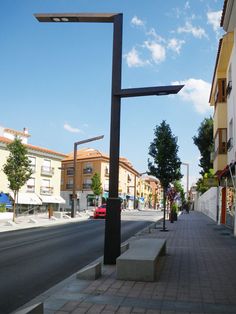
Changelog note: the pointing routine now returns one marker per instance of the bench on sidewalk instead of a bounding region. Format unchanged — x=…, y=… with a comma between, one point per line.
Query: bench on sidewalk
x=33, y=309
x=139, y=262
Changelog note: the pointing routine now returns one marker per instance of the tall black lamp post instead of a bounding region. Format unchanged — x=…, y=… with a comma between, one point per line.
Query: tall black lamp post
x=112, y=228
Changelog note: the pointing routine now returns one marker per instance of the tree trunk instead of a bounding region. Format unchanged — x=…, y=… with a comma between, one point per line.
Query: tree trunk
x=164, y=212
x=14, y=207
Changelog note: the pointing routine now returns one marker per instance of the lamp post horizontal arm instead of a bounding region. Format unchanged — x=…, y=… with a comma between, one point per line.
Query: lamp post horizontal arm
x=89, y=140
x=149, y=91
x=76, y=17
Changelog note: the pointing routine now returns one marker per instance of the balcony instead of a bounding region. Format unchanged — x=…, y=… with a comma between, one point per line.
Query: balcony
x=33, y=168
x=88, y=170
x=230, y=144
x=69, y=186
x=47, y=171
x=87, y=186
x=229, y=88
x=46, y=190
x=70, y=171
x=31, y=188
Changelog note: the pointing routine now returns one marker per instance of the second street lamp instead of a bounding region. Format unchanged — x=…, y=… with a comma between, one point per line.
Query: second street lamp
x=74, y=194
x=112, y=226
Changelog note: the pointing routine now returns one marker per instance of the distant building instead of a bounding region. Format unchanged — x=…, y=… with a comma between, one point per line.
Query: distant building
x=42, y=190
x=91, y=161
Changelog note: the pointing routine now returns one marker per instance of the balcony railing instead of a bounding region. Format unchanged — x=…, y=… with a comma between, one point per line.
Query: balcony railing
x=70, y=171
x=69, y=186
x=230, y=144
x=87, y=186
x=87, y=170
x=47, y=171
x=229, y=88
x=46, y=190
x=33, y=168
x=30, y=188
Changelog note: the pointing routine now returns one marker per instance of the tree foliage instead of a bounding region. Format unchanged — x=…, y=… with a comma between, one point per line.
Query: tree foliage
x=166, y=163
x=96, y=184
x=201, y=187
x=17, y=167
x=164, y=151
x=204, y=141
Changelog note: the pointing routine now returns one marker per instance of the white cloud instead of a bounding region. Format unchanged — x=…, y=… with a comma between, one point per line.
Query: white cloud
x=133, y=59
x=197, y=32
x=196, y=91
x=158, y=38
x=187, y=5
x=175, y=45
x=69, y=128
x=136, y=21
x=158, y=51
x=213, y=18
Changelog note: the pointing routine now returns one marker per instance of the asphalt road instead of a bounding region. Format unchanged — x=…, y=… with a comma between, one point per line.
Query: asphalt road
x=33, y=260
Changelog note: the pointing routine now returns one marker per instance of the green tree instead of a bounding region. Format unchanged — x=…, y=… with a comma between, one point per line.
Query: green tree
x=17, y=168
x=96, y=184
x=204, y=141
x=201, y=186
x=179, y=188
x=166, y=163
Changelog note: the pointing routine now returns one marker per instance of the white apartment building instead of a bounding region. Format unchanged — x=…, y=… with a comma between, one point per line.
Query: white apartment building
x=42, y=190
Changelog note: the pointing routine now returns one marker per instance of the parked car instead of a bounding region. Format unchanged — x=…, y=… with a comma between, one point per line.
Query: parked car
x=100, y=212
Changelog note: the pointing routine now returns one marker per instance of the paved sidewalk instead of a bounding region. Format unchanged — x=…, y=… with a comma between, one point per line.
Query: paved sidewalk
x=196, y=276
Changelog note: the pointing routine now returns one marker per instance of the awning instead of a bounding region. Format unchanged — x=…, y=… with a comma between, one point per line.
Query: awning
x=52, y=199
x=4, y=199
x=27, y=198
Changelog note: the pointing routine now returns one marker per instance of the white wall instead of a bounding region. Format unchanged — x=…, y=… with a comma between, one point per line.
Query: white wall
x=207, y=203
x=231, y=103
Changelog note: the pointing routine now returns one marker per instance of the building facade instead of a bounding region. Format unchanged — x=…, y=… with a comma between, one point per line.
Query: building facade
x=91, y=161
x=223, y=97
x=42, y=190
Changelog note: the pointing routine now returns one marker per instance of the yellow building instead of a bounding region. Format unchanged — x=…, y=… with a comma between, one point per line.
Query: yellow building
x=218, y=99
x=150, y=192
x=91, y=161
x=43, y=188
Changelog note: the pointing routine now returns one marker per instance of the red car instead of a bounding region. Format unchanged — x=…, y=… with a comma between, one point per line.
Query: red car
x=100, y=212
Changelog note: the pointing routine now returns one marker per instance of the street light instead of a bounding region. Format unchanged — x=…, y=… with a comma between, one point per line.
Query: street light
x=187, y=187
x=112, y=226
x=74, y=194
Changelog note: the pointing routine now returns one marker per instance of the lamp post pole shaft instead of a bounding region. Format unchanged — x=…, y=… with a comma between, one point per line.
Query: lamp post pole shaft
x=112, y=227
x=74, y=194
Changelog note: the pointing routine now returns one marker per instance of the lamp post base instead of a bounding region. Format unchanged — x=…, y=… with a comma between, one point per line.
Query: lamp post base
x=112, y=231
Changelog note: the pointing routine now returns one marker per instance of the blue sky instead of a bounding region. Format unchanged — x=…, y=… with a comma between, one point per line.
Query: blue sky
x=55, y=79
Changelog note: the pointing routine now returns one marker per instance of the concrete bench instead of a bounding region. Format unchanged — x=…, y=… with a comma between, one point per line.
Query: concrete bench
x=139, y=262
x=33, y=309
x=90, y=272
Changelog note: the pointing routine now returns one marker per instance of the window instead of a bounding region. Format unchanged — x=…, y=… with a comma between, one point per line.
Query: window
x=46, y=189
x=229, y=80
x=69, y=184
x=31, y=185
x=46, y=168
x=220, y=92
x=230, y=140
x=32, y=163
x=88, y=168
x=221, y=141
x=87, y=184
